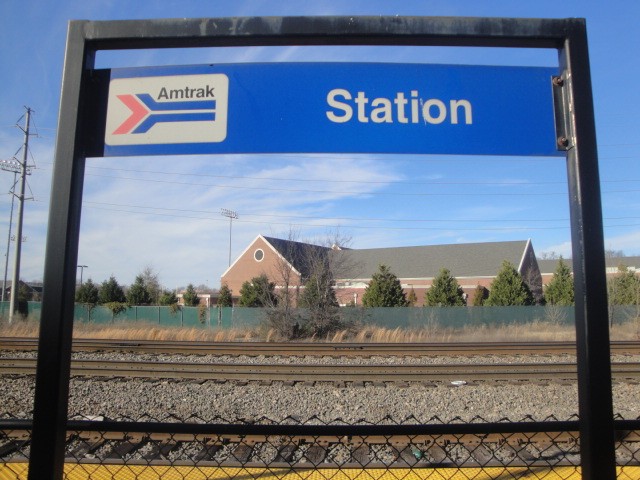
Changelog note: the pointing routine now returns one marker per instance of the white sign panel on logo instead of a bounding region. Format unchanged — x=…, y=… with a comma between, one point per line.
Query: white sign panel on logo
x=147, y=110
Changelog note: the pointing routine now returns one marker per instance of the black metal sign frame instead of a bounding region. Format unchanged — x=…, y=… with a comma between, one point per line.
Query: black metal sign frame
x=82, y=111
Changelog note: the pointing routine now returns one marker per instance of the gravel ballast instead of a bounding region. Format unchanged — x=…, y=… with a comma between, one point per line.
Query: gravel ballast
x=135, y=399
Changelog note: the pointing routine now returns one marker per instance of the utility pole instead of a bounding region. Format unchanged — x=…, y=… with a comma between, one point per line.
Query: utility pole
x=10, y=166
x=18, y=251
x=230, y=214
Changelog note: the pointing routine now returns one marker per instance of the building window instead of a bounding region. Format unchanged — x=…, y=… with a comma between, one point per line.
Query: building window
x=258, y=255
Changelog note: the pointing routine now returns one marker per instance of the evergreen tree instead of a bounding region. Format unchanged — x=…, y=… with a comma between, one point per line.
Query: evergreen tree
x=138, y=293
x=445, y=291
x=412, y=298
x=87, y=293
x=25, y=293
x=508, y=288
x=258, y=292
x=111, y=291
x=480, y=295
x=624, y=287
x=224, y=296
x=190, y=296
x=384, y=290
x=559, y=291
x=168, y=298
x=319, y=297
x=318, y=293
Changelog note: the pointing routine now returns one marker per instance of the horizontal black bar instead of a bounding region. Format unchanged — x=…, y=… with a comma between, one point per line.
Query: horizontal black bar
x=629, y=425
x=318, y=430
x=328, y=30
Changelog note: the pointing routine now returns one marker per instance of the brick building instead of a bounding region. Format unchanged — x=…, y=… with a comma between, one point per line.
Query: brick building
x=288, y=262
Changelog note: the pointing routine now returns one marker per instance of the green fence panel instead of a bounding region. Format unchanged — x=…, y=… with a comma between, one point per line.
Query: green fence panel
x=146, y=314
x=245, y=317
x=171, y=317
x=191, y=318
x=391, y=318
x=82, y=313
x=411, y=317
x=619, y=314
x=102, y=315
x=459, y=317
x=236, y=317
x=33, y=310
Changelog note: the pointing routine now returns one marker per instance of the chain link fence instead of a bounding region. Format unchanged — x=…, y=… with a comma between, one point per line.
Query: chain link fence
x=195, y=448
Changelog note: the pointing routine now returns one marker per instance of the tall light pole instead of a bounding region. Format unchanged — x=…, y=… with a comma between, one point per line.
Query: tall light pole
x=82, y=267
x=230, y=214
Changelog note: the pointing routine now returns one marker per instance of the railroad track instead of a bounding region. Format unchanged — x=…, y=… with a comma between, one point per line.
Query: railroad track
x=321, y=349
x=277, y=452
x=629, y=371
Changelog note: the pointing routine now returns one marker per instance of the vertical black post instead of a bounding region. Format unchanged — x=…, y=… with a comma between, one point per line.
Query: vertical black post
x=46, y=460
x=597, y=443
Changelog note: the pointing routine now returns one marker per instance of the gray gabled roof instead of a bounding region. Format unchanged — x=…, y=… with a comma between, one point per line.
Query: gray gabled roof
x=462, y=260
x=297, y=253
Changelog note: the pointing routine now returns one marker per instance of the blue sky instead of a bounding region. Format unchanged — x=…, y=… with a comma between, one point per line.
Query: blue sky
x=164, y=212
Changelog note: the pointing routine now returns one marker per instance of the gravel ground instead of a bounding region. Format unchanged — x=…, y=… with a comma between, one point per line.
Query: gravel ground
x=209, y=401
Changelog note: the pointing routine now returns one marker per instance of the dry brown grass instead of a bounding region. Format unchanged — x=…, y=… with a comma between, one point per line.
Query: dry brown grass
x=138, y=331
x=538, y=331
x=532, y=332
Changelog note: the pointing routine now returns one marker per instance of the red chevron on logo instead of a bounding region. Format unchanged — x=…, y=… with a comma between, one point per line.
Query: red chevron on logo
x=138, y=112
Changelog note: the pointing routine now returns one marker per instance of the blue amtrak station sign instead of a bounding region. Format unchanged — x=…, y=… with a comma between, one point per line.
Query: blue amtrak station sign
x=331, y=107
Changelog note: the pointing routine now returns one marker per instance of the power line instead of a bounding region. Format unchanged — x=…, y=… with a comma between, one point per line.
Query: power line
x=312, y=217
x=342, y=192
x=334, y=192
x=355, y=227
x=327, y=180
x=123, y=207
x=333, y=180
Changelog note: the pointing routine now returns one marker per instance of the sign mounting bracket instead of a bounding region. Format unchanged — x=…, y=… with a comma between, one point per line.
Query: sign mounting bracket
x=563, y=111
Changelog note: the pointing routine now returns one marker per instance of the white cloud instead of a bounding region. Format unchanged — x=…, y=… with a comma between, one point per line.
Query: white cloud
x=629, y=243
x=562, y=249
x=166, y=211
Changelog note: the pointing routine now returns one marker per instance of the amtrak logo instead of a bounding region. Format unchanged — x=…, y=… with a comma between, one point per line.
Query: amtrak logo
x=167, y=110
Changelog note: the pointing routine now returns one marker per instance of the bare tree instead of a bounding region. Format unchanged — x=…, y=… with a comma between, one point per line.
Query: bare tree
x=281, y=313
x=552, y=255
x=610, y=253
x=309, y=267
x=323, y=266
x=150, y=279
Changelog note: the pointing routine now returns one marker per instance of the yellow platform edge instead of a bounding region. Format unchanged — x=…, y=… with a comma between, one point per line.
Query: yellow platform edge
x=18, y=471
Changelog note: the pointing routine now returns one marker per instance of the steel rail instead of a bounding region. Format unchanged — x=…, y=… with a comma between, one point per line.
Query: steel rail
x=248, y=450
x=320, y=349
x=145, y=444
x=318, y=373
